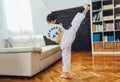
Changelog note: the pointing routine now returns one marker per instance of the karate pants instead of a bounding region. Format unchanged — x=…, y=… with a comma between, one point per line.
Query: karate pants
x=67, y=40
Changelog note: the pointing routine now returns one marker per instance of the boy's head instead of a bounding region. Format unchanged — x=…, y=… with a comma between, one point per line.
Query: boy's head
x=51, y=19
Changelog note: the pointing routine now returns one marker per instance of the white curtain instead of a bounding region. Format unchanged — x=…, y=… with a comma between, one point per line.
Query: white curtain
x=18, y=17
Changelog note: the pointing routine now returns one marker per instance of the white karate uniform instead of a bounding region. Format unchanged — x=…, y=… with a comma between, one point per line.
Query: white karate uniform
x=67, y=38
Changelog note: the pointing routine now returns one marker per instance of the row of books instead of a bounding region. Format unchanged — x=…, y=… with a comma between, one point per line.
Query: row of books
x=108, y=38
x=97, y=28
x=97, y=16
x=108, y=26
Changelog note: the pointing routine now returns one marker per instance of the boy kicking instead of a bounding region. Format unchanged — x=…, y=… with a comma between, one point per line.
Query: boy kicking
x=64, y=37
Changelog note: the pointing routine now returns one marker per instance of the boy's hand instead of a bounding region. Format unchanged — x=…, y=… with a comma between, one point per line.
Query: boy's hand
x=86, y=7
x=60, y=24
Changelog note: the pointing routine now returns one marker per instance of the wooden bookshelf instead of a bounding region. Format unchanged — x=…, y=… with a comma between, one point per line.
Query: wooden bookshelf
x=105, y=26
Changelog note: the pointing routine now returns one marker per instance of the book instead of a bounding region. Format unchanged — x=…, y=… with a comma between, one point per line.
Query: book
x=118, y=5
x=108, y=26
x=108, y=17
x=117, y=16
x=97, y=28
x=97, y=16
x=108, y=6
x=105, y=38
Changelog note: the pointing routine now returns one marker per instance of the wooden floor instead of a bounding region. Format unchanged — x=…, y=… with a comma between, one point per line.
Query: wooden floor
x=84, y=68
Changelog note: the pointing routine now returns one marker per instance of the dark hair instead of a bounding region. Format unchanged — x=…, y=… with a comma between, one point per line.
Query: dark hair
x=51, y=17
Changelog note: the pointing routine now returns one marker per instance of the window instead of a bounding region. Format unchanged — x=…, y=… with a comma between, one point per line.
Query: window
x=18, y=17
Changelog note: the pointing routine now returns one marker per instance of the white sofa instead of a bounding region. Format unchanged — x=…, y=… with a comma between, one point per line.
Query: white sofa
x=27, y=55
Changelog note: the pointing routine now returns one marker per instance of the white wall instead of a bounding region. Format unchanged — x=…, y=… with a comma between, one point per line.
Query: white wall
x=55, y=5
x=3, y=29
x=39, y=13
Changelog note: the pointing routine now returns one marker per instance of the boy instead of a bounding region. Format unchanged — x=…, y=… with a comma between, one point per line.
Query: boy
x=65, y=37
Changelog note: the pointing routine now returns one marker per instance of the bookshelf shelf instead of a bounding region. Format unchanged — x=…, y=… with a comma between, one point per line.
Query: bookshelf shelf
x=108, y=9
x=105, y=24
x=108, y=20
x=108, y=41
x=99, y=42
x=117, y=30
x=117, y=19
x=107, y=31
x=97, y=32
x=117, y=41
x=95, y=1
x=97, y=10
x=96, y=21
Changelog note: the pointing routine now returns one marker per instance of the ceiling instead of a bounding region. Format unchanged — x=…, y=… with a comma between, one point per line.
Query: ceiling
x=55, y=5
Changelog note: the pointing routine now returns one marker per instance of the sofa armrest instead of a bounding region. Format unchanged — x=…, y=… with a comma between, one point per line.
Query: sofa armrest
x=20, y=49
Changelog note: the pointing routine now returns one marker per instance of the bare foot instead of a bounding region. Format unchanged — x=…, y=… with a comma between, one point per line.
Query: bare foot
x=64, y=76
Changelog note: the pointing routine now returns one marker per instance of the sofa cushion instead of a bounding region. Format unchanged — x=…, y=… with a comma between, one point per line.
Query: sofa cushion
x=38, y=40
x=49, y=42
x=20, y=41
x=49, y=50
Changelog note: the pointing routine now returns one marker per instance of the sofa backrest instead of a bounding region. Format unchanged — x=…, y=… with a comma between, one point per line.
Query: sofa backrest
x=26, y=41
